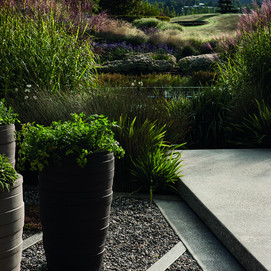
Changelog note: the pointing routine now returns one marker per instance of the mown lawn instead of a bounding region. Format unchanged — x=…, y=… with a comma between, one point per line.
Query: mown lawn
x=218, y=24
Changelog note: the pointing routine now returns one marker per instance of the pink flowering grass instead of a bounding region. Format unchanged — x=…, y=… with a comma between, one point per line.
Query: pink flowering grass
x=257, y=17
x=75, y=14
x=250, y=21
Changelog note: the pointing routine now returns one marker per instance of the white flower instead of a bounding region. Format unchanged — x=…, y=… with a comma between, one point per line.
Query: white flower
x=35, y=97
x=16, y=89
x=27, y=90
x=25, y=97
x=132, y=84
x=28, y=86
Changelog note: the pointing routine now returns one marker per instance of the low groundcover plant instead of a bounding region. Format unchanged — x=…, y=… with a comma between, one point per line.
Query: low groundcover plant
x=8, y=174
x=80, y=136
x=7, y=115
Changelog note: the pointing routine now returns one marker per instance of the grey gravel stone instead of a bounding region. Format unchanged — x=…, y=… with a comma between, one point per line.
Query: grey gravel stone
x=138, y=236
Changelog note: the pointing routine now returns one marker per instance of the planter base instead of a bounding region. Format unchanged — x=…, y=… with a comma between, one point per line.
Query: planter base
x=11, y=227
x=75, y=207
x=7, y=142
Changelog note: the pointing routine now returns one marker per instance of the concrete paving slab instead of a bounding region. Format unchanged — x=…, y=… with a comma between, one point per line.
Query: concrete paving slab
x=230, y=191
x=32, y=240
x=169, y=258
x=206, y=249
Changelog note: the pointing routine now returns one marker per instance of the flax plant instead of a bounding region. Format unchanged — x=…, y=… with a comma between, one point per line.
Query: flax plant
x=151, y=162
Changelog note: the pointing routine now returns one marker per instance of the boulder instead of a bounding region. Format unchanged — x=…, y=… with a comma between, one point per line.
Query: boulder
x=191, y=64
x=141, y=63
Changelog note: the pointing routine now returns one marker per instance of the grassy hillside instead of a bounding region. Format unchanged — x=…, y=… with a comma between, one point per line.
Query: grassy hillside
x=216, y=25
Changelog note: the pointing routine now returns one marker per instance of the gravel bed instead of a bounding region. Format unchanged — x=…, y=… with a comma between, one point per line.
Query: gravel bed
x=138, y=236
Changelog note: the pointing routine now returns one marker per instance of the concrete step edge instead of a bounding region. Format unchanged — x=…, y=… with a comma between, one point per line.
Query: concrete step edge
x=231, y=242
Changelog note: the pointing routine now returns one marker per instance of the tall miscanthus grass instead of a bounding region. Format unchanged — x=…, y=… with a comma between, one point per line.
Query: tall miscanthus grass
x=39, y=51
x=75, y=7
x=44, y=107
x=246, y=70
x=249, y=21
x=74, y=14
x=246, y=74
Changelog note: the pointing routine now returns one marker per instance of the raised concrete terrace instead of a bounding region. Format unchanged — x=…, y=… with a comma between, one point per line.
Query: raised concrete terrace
x=230, y=190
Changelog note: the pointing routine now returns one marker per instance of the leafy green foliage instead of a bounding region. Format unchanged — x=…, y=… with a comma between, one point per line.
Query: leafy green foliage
x=121, y=7
x=8, y=174
x=7, y=115
x=81, y=136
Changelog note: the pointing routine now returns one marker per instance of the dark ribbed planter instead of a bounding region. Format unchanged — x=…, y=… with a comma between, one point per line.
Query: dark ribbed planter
x=11, y=227
x=7, y=142
x=75, y=207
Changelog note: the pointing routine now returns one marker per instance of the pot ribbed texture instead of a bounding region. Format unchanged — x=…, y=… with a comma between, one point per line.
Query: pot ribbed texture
x=11, y=227
x=7, y=142
x=75, y=207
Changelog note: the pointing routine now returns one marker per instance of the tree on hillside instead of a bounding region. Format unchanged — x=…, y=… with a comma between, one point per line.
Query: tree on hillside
x=226, y=6
x=121, y=7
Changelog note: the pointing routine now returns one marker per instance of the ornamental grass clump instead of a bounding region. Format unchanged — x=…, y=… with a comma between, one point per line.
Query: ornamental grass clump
x=41, y=52
x=256, y=18
x=8, y=174
x=155, y=23
x=254, y=130
x=118, y=30
x=152, y=163
x=246, y=71
x=146, y=22
x=80, y=137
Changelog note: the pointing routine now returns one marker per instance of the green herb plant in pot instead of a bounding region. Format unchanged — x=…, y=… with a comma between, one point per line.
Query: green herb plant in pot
x=76, y=163
x=11, y=216
x=7, y=131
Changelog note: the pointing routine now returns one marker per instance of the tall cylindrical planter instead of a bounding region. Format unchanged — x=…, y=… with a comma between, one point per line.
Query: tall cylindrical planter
x=11, y=227
x=75, y=207
x=7, y=142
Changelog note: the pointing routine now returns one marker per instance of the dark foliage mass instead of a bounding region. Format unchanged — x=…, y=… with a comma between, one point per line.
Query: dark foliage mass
x=120, y=7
